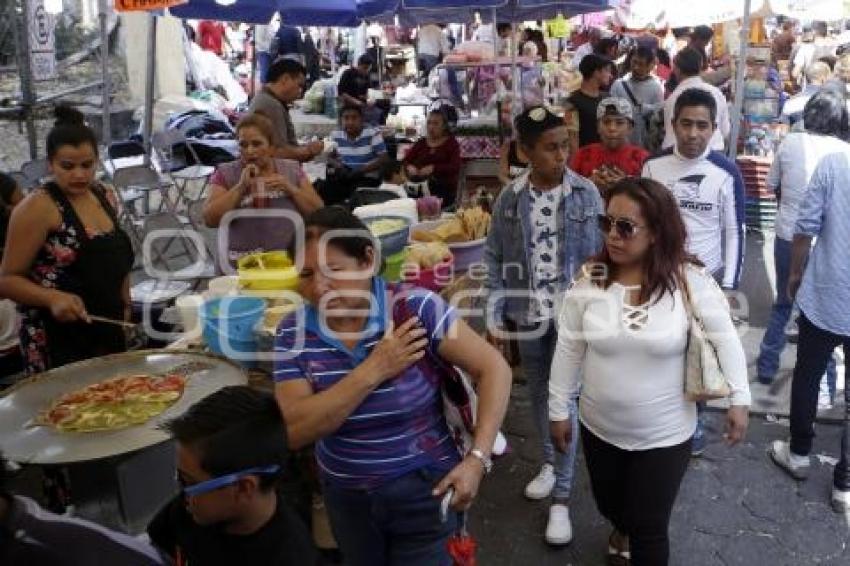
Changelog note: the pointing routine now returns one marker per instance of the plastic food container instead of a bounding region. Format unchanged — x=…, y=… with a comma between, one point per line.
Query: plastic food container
x=223, y=286
x=467, y=253
x=393, y=242
x=234, y=317
x=267, y=271
x=393, y=266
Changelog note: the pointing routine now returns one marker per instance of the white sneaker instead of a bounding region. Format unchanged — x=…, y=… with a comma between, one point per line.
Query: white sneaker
x=543, y=484
x=824, y=401
x=841, y=500
x=559, y=530
x=796, y=466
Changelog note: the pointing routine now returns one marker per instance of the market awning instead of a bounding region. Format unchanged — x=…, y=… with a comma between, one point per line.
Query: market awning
x=413, y=12
x=638, y=14
x=245, y=11
x=342, y=13
x=338, y=13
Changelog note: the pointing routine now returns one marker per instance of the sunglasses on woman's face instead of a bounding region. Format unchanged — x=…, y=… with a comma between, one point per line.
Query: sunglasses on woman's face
x=626, y=228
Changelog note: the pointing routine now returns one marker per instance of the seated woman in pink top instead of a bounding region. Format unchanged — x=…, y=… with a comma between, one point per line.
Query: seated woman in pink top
x=257, y=181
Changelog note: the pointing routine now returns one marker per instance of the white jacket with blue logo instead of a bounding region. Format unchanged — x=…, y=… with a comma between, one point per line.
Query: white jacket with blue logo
x=711, y=196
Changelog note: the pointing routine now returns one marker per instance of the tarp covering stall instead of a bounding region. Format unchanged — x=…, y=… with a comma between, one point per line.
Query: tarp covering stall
x=638, y=14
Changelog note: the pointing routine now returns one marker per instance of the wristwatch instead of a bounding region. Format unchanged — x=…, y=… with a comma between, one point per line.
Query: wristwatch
x=486, y=462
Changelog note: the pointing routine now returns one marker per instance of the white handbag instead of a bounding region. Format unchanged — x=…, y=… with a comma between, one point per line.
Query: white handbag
x=704, y=379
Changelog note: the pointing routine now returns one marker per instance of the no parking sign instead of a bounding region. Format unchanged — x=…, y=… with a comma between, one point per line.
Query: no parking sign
x=42, y=41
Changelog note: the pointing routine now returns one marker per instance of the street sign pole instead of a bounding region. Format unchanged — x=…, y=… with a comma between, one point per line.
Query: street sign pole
x=22, y=37
x=150, y=78
x=103, y=16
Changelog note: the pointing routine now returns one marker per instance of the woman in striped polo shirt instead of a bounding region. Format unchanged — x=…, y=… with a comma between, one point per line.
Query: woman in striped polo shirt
x=366, y=390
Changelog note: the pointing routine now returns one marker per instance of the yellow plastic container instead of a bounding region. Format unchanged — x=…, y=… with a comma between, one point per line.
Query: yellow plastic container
x=267, y=271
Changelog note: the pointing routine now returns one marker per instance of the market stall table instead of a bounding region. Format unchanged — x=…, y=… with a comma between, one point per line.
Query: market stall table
x=312, y=125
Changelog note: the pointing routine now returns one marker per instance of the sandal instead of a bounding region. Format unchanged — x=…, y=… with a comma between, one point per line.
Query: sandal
x=616, y=556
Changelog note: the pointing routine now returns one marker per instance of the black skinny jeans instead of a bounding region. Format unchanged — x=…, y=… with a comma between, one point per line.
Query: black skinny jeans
x=635, y=491
x=814, y=349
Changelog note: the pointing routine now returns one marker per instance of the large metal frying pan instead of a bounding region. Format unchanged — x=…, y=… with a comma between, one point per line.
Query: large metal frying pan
x=25, y=443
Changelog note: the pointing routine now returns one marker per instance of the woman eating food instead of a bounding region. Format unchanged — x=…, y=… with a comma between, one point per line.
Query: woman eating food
x=257, y=181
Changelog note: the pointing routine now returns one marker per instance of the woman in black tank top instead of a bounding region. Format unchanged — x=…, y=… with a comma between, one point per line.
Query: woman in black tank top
x=68, y=259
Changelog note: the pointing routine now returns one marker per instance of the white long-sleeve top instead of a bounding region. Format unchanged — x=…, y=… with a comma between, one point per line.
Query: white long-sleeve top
x=633, y=361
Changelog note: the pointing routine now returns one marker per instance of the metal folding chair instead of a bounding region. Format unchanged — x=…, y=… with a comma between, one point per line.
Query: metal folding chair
x=209, y=235
x=22, y=181
x=176, y=157
x=177, y=251
x=125, y=154
x=146, y=179
x=36, y=172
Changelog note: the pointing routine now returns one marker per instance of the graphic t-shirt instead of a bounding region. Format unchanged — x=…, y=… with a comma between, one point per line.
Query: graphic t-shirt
x=544, y=250
x=710, y=194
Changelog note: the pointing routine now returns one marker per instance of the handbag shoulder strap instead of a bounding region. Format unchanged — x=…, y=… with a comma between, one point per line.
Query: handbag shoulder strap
x=629, y=92
x=688, y=296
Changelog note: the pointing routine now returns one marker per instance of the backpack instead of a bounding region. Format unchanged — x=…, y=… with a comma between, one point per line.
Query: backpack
x=655, y=131
x=460, y=401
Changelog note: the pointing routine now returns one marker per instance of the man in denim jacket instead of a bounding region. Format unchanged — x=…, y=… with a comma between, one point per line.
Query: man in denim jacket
x=544, y=227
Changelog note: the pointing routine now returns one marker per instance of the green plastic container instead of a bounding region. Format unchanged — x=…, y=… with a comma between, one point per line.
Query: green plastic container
x=393, y=265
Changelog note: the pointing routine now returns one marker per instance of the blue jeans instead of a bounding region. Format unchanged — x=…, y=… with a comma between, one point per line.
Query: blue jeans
x=396, y=524
x=774, y=339
x=427, y=62
x=536, y=360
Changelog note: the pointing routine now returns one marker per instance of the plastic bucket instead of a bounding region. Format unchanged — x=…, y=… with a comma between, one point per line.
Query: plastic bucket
x=233, y=317
x=393, y=265
x=467, y=253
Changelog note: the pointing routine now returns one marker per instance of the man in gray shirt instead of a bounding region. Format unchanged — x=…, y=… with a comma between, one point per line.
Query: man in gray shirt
x=642, y=89
x=284, y=85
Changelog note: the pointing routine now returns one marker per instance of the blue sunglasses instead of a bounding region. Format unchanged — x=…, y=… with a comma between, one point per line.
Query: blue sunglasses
x=222, y=481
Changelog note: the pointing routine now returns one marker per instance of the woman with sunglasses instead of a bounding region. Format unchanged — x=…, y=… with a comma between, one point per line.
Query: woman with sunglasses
x=624, y=328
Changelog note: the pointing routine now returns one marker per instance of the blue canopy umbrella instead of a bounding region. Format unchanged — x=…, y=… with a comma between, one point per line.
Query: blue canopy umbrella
x=338, y=13
x=342, y=13
x=245, y=11
x=413, y=12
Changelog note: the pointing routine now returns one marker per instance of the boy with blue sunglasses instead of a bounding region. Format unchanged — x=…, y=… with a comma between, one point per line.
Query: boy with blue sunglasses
x=231, y=450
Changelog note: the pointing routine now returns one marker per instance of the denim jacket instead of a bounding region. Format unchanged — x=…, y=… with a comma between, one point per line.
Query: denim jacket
x=507, y=250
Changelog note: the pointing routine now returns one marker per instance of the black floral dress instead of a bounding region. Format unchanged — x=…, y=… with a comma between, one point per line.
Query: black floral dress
x=92, y=266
